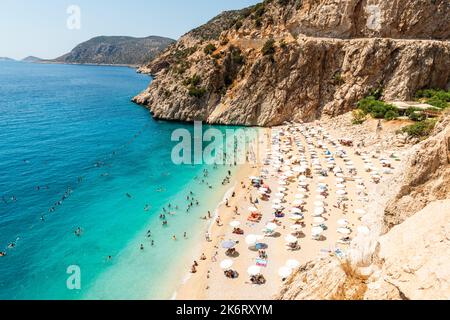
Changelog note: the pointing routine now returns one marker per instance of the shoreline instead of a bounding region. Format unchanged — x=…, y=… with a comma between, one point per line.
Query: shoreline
x=194, y=286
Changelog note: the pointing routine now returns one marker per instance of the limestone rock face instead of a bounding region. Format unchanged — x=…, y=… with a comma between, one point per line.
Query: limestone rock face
x=412, y=262
x=326, y=56
x=426, y=179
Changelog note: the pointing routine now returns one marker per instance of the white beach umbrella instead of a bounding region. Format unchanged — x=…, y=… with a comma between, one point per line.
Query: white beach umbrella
x=277, y=207
x=253, y=209
x=320, y=197
x=341, y=192
x=344, y=231
x=340, y=186
x=318, y=220
x=319, y=204
x=250, y=239
x=254, y=270
x=300, y=196
x=271, y=226
x=284, y=272
x=363, y=230
x=296, y=210
x=280, y=195
x=360, y=212
x=282, y=189
x=290, y=239
x=319, y=211
x=342, y=222
x=296, y=217
x=226, y=264
x=292, y=264
x=303, y=184
x=316, y=231
x=340, y=180
x=235, y=224
x=298, y=202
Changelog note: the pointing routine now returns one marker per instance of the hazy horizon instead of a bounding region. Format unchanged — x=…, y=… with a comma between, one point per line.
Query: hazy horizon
x=32, y=28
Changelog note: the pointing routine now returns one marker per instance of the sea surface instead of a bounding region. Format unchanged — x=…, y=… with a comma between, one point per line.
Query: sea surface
x=76, y=154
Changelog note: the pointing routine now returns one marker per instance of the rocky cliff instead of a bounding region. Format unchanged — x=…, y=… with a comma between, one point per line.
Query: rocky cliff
x=297, y=60
x=116, y=50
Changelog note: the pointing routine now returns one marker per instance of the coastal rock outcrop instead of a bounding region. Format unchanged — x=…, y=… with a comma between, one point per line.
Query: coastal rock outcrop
x=412, y=262
x=426, y=179
x=299, y=60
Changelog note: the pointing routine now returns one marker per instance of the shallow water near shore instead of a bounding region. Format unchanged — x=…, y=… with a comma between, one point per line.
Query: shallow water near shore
x=66, y=127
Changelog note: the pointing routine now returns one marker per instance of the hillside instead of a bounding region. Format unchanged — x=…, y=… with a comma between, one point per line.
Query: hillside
x=32, y=59
x=299, y=60
x=116, y=50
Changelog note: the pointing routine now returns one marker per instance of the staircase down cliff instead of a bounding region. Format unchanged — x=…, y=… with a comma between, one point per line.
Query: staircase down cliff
x=299, y=60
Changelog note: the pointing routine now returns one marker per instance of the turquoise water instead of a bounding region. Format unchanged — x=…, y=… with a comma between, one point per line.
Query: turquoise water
x=72, y=130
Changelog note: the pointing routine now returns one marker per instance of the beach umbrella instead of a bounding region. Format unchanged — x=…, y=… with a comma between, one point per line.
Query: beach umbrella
x=341, y=192
x=253, y=209
x=300, y=196
x=282, y=183
x=250, y=239
x=320, y=197
x=319, y=204
x=318, y=220
x=360, y=212
x=263, y=190
x=342, y=222
x=340, y=180
x=292, y=264
x=226, y=264
x=319, y=211
x=290, y=239
x=316, y=231
x=340, y=186
x=228, y=244
x=344, y=231
x=298, y=202
x=277, y=207
x=360, y=187
x=276, y=201
x=296, y=210
x=322, y=178
x=296, y=217
x=280, y=195
x=271, y=226
x=254, y=270
x=282, y=189
x=302, y=178
x=284, y=272
x=363, y=230
x=235, y=224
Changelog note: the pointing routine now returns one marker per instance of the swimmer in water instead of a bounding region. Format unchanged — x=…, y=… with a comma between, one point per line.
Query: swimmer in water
x=174, y=238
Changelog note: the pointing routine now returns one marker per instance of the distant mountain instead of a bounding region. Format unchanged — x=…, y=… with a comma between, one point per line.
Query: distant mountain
x=116, y=50
x=32, y=59
x=6, y=59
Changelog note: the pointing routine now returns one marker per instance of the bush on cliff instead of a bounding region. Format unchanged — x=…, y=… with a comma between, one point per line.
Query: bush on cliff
x=209, y=49
x=269, y=47
x=420, y=129
x=435, y=97
x=378, y=109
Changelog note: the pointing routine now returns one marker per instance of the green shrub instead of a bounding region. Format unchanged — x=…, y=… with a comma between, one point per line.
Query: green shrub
x=391, y=115
x=194, y=81
x=376, y=108
x=437, y=98
x=196, y=92
x=420, y=129
x=269, y=47
x=209, y=49
x=238, y=25
x=236, y=55
x=413, y=115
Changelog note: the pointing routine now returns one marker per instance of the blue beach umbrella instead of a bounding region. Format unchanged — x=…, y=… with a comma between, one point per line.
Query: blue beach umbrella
x=228, y=244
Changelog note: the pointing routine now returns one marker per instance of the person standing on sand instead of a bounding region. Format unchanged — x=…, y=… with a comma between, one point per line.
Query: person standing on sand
x=207, y=237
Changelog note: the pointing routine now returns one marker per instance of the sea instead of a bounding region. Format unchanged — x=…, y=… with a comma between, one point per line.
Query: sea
x=85, y=176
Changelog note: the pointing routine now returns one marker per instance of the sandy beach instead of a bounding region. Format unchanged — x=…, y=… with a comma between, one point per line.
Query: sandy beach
x=346, y=201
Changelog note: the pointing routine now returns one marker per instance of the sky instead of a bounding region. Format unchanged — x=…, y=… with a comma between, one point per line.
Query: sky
x=50, y=28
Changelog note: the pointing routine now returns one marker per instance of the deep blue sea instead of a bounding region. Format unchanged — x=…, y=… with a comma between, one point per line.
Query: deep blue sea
x=76, y=153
